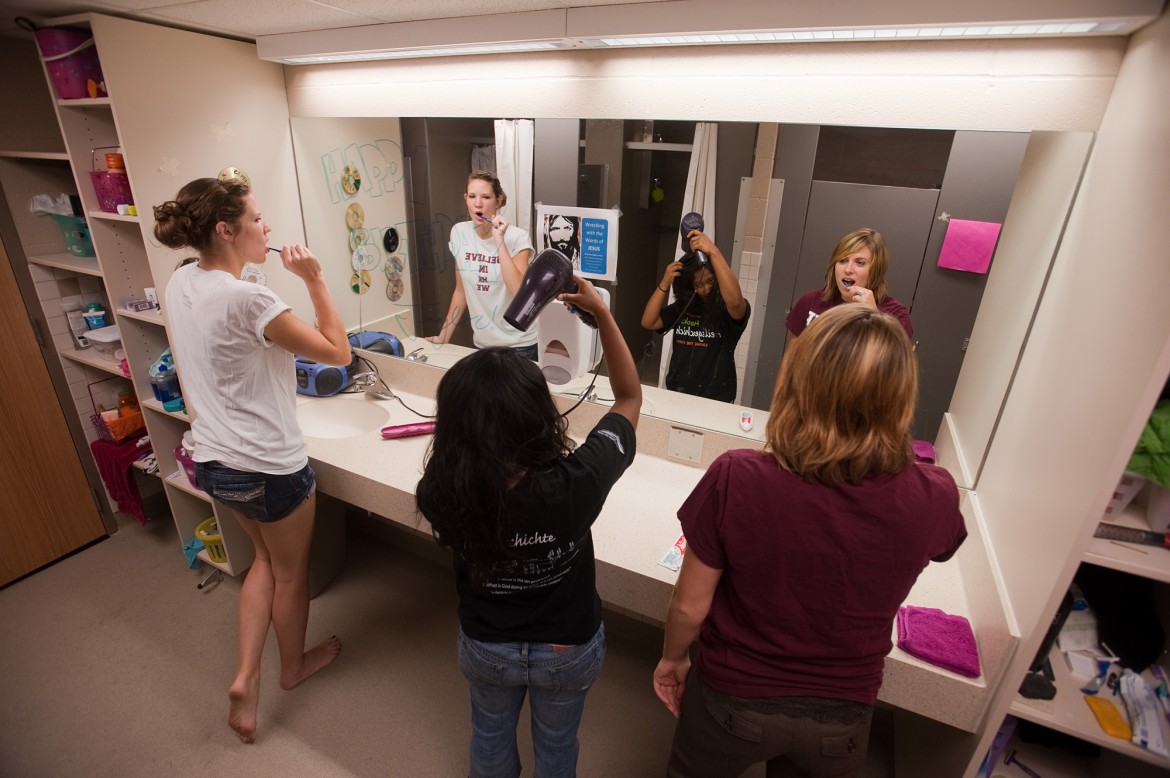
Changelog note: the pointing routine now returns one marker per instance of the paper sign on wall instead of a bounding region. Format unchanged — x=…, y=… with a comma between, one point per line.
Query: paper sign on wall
x=969, y=245
x=587, y=236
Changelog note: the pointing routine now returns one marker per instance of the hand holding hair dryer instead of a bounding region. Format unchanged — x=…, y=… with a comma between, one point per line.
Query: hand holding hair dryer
x=692, y=221
x=549, y=275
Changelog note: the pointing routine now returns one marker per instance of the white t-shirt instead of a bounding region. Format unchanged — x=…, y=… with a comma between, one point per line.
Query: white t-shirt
x=240, y=385
x=478, y=263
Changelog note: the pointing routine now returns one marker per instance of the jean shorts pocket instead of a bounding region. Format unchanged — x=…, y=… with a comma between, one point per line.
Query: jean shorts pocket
x=733, y=722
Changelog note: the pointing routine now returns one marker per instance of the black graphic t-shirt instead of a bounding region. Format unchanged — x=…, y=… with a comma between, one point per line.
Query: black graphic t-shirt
x=702, y=359
x=545, y=592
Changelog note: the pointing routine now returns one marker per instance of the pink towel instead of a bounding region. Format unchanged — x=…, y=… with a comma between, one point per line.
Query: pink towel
x=939, y=638
x=114, y=461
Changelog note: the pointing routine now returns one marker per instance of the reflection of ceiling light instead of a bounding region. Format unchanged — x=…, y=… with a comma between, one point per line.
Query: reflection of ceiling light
x=702, y=23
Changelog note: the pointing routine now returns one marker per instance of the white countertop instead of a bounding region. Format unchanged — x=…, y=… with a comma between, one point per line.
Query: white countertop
x=638, y=525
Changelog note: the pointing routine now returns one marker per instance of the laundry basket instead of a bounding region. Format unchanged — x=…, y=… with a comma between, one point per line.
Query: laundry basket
x=208, y=533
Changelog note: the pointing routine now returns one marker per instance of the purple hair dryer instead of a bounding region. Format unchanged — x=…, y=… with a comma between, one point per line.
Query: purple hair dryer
x=692, y=260
x=550, y=274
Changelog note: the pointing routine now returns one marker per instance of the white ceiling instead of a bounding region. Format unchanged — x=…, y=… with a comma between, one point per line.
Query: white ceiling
x=247, y=19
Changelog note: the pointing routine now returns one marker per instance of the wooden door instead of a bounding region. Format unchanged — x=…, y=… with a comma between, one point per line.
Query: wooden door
x=47, y=507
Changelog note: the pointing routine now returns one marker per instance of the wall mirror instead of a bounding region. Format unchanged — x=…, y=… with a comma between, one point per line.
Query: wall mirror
x=409, y=174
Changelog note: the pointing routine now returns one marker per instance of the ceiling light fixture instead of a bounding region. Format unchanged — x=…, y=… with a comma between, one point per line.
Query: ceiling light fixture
x=702, y=23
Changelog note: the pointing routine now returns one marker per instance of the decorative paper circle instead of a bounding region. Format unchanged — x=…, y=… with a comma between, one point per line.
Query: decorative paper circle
x=358, y=237
x=390, y=240
x=364, y=258
x=355, y=216
x=393, y=287
x=254, y=273
x=235, y=174
x=393, y=264
x=359, y=282
x=351, y=179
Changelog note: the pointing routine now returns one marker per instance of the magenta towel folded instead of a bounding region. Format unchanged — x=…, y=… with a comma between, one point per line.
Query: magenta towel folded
x=939, y=638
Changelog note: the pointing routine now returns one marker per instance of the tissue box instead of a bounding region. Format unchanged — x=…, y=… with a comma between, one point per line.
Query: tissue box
x=106, y=341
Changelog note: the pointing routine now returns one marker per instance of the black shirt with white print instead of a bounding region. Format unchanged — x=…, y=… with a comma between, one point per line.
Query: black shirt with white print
x=545, y=592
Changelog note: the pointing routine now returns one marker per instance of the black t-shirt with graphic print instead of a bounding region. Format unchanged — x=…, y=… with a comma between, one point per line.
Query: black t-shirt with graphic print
x=702, y=359
x=546, y=593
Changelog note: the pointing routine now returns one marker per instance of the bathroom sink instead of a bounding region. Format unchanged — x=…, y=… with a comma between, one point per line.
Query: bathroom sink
x=333, y=418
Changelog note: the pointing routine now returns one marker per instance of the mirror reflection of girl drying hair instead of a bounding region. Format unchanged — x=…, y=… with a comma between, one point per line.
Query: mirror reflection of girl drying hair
x=707, y=319
x=234, y=343
x=505, y=490
x=491, y=256
x=798, y=558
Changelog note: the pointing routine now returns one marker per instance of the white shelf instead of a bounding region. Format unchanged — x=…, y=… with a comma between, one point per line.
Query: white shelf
x=640, y=146
x=179, y=481
x=1069, y=713
x=113, y=217
x=56, y=156
x=85, y=265
x=205, y=558
x=85, y=102
x=156, y=406
x=150, y=317
x=91, y=358
x=1147, y=561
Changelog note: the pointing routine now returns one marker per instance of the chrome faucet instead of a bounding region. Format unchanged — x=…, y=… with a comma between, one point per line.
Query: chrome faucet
x=588, y=393
x=416, y=355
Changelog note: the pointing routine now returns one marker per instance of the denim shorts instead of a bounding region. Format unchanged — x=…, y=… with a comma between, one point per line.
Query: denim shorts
x=257, y=496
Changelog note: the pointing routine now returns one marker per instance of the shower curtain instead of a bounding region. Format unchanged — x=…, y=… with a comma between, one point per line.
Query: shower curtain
x=514, y=138
x=699, y=196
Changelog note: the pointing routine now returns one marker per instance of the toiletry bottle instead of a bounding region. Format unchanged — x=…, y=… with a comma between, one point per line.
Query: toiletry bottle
x=76, y=322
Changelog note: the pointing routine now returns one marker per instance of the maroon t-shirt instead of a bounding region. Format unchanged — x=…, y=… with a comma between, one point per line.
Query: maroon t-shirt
x=813, y=575
x=810, y=305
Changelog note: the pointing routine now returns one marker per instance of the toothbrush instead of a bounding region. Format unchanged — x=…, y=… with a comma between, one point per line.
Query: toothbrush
x=274, y=250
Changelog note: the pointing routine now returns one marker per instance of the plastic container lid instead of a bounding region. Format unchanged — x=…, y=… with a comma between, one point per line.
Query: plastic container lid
x=105, y=334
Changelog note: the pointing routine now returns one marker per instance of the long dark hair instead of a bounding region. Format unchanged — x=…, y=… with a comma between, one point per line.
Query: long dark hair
x=495, y=421
x=708, y=311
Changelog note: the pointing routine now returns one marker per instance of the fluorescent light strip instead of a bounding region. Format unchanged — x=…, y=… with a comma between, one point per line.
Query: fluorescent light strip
x=449, y=51
x=877, y=33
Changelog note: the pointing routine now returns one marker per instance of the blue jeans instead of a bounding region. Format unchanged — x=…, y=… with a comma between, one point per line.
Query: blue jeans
x=556, y=678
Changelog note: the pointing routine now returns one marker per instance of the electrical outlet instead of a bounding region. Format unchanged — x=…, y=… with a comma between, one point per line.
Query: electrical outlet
x=685, y=444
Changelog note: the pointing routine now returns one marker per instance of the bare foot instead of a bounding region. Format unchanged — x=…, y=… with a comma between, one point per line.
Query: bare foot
x=243, y=697
x=316, y=658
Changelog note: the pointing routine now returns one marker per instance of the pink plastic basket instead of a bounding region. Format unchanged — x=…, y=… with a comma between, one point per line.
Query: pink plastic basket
x=72, y=62
x=112, y=189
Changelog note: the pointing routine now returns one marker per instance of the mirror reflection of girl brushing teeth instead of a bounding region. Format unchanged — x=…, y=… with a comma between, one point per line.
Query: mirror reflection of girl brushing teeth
x=491, y=256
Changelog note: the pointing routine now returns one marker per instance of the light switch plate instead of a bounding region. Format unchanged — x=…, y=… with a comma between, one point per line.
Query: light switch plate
x=685, y=444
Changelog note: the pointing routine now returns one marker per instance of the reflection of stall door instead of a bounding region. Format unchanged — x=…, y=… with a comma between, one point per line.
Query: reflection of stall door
x=904, y=217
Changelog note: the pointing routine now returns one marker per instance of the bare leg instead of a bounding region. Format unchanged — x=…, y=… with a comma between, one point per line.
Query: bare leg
x=255, y=615
x=288, y=545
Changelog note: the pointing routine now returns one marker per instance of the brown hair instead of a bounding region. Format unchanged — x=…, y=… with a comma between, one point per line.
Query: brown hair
x=189, y=220
x=861, y=238
x=845, y=397
x=491, y=178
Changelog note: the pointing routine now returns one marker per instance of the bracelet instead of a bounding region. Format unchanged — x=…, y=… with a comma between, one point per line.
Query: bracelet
x=663, y=290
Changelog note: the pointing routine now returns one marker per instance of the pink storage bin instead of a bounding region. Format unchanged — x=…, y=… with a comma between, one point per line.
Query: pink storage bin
x=72, y=62
x=187, y=464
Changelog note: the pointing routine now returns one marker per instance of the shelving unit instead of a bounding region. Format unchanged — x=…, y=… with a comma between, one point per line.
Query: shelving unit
x=151, y=121
x=1067, y=712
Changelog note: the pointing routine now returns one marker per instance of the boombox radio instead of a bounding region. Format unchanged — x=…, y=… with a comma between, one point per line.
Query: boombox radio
x=317, y=380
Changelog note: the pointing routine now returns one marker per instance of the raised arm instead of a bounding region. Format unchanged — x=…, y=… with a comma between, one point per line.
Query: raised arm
x=511, y=267
x=728, y=283
x=623, y=374
x=327, y=342
x=652, y=315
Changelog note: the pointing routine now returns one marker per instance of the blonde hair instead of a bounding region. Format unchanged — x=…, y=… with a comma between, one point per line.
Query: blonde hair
x=851, y=243
x=845, y=398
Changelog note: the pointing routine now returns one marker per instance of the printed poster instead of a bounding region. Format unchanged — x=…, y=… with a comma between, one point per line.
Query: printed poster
x=587, y=236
